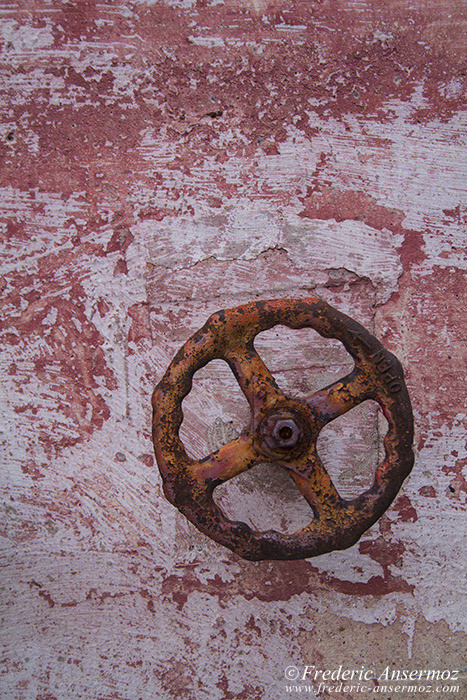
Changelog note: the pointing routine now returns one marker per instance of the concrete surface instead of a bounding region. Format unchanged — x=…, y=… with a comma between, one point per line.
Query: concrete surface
x=163, y=160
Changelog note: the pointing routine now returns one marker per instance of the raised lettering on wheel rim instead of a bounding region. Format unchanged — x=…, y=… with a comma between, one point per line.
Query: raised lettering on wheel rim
x=189, y=483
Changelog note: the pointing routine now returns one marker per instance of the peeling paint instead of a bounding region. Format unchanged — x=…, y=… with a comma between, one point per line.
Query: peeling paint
x=162, y=160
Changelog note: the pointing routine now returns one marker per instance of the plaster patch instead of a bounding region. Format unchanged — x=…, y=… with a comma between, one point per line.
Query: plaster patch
x=310, y=245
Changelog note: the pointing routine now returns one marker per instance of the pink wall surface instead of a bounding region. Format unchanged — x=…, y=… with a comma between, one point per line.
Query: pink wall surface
x=163, y=160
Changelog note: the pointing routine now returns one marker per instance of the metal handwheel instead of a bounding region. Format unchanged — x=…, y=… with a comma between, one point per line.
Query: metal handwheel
x=282, y=429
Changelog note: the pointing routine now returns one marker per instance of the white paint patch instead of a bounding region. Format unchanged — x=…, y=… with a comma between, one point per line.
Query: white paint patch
x=416, y=168
x=209, y=41
x=245, y=231
x=351, y=245
x=21, y=38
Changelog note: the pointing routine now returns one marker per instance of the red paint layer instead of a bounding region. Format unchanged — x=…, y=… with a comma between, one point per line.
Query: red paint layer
x=283, y=580
x=44, y=320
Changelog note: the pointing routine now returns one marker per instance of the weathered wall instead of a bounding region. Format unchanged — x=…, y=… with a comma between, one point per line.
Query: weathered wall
x=160, y=161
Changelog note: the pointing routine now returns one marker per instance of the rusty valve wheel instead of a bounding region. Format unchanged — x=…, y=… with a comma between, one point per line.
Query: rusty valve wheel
x=282, y=429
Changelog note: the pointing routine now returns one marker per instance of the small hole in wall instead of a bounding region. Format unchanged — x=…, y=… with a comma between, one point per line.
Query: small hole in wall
x=214, y=412
x=301, y=360
x=351, y=448
x=265, y=498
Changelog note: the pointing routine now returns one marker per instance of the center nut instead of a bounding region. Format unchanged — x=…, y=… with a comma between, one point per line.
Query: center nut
x=285, y=434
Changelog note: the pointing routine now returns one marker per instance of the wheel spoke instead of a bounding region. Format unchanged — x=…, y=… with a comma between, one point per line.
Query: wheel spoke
x=254, y=378
x=338, y=398
x=228, y=461
x=316, y=485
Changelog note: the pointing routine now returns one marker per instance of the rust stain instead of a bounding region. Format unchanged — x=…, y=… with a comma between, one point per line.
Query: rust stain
x=283, y=429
